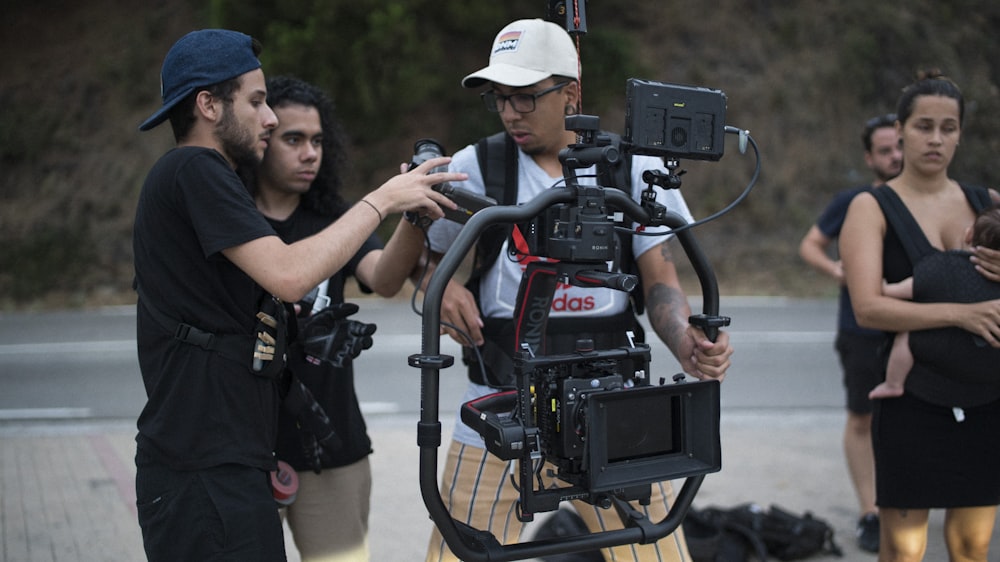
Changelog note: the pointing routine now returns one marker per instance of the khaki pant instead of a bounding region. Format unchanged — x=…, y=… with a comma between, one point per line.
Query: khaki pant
x=477, y=490
x=329, y=518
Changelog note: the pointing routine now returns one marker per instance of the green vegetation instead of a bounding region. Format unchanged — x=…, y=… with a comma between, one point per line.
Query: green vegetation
x=801, y=76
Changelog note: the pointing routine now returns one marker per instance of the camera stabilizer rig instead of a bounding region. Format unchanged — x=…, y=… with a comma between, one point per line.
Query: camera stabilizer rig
x=591, y=418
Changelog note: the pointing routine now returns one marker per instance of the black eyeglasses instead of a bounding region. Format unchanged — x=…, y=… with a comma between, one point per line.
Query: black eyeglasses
x=522, y=103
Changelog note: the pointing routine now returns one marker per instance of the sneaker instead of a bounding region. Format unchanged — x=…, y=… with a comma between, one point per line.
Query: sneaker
x=868, y=532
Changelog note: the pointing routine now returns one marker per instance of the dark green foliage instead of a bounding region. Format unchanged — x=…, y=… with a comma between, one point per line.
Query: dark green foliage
x=381, y=60
x=384, y=62
x=23, y=133
x=801, y=76
x=46, y=259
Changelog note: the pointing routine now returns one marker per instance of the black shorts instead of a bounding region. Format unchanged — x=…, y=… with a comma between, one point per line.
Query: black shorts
x=221, y=513
x=862, y=358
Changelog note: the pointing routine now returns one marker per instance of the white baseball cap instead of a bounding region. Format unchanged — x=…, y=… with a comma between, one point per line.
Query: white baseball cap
x=526, y=52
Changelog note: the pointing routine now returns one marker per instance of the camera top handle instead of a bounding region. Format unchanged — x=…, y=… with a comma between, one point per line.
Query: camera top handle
x=477, y=545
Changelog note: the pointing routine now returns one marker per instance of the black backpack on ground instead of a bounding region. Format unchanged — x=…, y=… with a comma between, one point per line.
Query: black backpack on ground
x=748, y=533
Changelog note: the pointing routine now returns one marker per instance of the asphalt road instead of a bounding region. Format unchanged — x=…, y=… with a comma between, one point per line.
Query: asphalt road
x=782, y=417
x=82, y=364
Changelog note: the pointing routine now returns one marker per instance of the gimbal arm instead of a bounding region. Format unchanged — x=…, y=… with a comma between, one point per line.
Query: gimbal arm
x=709, y=320
x=477, y=545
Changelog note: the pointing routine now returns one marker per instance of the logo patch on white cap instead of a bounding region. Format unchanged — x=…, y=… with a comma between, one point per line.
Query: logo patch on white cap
x=508, y=42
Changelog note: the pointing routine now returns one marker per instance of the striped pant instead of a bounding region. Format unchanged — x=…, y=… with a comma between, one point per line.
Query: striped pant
x=477, y=490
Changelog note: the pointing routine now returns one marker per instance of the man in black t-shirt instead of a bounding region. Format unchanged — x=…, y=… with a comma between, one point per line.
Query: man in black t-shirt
x=205, y=262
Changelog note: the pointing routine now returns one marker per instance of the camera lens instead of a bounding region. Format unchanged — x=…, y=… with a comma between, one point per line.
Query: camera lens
x=424, y=150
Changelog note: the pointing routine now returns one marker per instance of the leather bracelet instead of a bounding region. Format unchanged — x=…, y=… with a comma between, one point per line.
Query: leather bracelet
x=374, y=208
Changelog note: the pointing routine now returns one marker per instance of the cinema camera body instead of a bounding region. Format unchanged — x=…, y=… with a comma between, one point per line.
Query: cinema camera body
x=592, y=418
x=598, y=426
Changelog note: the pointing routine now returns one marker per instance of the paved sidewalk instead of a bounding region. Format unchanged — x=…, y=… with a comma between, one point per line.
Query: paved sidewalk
x=66, y=488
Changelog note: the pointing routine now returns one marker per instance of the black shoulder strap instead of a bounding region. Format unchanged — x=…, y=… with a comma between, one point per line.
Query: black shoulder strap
x=979, y=197
x=907, y=230
x=902, y=222
x=497, y=155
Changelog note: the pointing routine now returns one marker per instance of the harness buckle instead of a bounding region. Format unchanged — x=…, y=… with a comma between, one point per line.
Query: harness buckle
x=189, y=334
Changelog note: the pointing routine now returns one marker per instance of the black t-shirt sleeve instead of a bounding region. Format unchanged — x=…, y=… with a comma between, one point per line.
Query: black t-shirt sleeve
x=832, y=218
x=372, y=243
x=220, y=207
